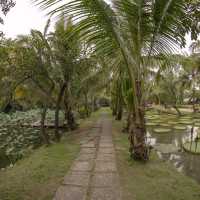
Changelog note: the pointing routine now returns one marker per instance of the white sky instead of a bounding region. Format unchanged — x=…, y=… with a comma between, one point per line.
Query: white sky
x=25, y=16
x=22, y=18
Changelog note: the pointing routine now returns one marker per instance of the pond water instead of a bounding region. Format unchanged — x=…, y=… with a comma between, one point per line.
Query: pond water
x=18, y=136
x=169, y=144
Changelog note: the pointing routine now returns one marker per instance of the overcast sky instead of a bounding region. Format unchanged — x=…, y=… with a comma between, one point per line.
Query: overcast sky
x=25, y=16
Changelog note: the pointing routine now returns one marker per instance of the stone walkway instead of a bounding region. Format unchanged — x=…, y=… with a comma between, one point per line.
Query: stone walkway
x=93, y=175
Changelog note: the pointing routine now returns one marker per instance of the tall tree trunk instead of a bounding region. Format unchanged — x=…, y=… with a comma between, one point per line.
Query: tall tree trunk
x=69, y=116
x=44, y=134
x=119, y=113
x=177, y=110
x=70, y=119
x=94, y=104
x=119, y=105
x=114, y=110
x=128, y=123
x=43, y=116
x=193, y=99
x=58, y=103
x=86, y=105
x=138, y=147
x=114, y=105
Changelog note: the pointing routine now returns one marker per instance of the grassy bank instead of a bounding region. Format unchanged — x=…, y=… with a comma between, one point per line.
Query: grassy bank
x=156, y=179
x=37, y=176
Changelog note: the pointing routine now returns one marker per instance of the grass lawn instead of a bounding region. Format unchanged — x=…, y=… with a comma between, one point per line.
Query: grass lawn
x=155, y=180
x=37, y=176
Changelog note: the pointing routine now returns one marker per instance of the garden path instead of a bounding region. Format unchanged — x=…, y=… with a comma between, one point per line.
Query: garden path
x=93, y=175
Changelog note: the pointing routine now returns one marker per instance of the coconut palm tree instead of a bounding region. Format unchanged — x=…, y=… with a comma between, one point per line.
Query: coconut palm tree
x=34, y=59
x=65, y=53
x=191, y=66
x=135, y=31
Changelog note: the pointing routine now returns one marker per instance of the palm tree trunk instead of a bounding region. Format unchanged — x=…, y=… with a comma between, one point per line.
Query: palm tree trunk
x=86, y=105
x=70, y=119
x=128, y=123
x=119, y=109
x=177, y=110
x=69, y=116
x=138, y=147
x=119, y=104
x=94, y=103
x=43, y=115
x=59, y=100
x=119, y=113
x=193, y=100
x=44, y=134
x=114, y=108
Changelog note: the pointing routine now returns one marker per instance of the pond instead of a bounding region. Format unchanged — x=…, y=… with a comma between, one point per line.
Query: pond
x=169, y=143
x=18, y=136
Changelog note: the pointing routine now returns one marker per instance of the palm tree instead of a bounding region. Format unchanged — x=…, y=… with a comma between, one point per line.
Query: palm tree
x=191, y=66
x=195, y=47
x=35, y=60
x=66, y=53
x=135, y=31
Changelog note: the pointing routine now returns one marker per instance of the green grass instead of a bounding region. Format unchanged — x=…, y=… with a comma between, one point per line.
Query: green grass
x=39, y=175
x=156, y=179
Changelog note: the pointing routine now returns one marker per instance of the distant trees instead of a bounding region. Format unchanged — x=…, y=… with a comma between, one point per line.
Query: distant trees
x=50, y=70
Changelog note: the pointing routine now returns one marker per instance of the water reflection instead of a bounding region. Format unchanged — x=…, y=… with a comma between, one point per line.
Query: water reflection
x=184, y=162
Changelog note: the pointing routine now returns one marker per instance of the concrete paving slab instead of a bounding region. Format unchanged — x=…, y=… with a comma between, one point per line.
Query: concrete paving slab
x=105, y=194
x=102, y=166
x=71, y=193
x=84, y=166
x=88, y=145
x=105, y=157
x=88, y=150
x=104, y=180
x=77, y=179
x=86, y=157
x=106, y=150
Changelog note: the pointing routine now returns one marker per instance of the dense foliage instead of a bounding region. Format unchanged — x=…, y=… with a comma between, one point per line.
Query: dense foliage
x=20, y=133
x=127, y=51
x=139, y=35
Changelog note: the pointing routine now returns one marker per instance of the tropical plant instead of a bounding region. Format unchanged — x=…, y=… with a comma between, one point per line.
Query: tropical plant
x=136, y=31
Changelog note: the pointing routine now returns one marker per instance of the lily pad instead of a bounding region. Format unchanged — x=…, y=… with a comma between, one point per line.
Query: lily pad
x=157, y=121
x=186, y=117
x=165, y=125
x=166, y=148
x=151, y=117
x=197, y=124
x=180, y=127
x=162, y=130
x=151, y=124
x=172, y=122
x=192, y=147
x=186, y=122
